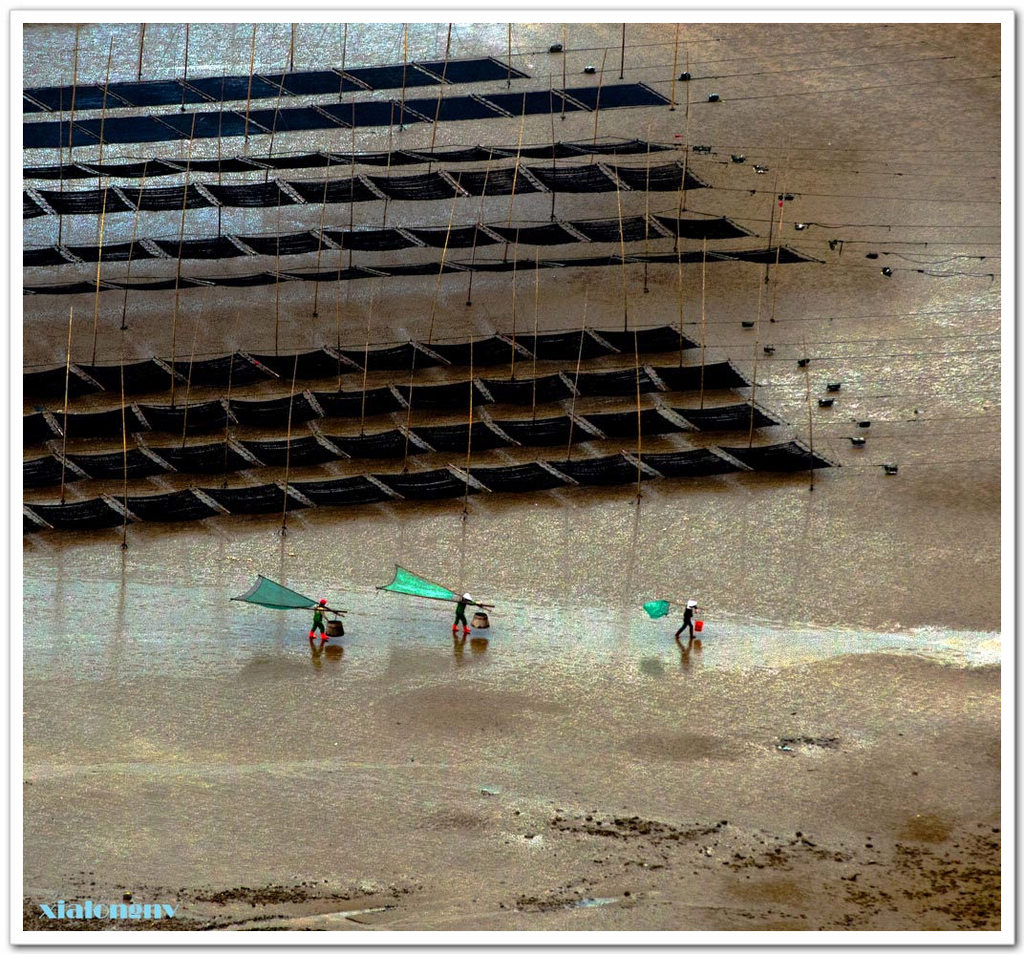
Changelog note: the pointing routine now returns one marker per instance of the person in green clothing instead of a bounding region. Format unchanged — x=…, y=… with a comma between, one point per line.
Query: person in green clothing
x=460, y=613
x=318, y=622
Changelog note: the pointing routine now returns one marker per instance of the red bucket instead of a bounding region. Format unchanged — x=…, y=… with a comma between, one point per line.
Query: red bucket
x=698, y=625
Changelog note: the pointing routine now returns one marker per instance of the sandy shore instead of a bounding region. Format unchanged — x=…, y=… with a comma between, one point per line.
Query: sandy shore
x=857, y=793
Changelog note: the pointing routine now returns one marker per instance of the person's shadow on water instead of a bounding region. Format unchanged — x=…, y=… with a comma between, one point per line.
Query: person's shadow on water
x=316, y=653
x=458, y=649
x=685, y=658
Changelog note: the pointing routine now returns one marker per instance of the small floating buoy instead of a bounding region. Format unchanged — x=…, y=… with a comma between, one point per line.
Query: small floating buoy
x=684, y=77
x=555, y=48
x=803, y=362
x=858, y=441
x=864, y=424
x=890, y=468
x=769, y=349
x=887, y=272
x=833, y=386
x=800, y=226
x=760, y=170
x=736, y=157
x=712, y=97
x=871, y=255
x=589, y=69
x=747, y=324
x=826, y=402
x=703, y=150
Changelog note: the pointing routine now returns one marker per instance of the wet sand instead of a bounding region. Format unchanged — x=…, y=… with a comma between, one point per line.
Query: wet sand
x=827, y=759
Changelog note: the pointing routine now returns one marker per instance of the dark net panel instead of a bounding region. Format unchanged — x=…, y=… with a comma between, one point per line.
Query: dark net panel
x=369, y=240
x=633, y=229
x=425, y=268
x=600, y=471
x=485, y=352
x=290, y=120
x=114, y=252
x=553, y=234
x=274, y=412
x=89, y=424
x=140, y=377
x=534, y=103
x=648, y=340
x=299, y=452
x=116, y=464
x=371, y=113
x=168, y=508
x=298, y=243
x=623, y=424
x=58, y=98
x=695, y=228
x=471, y=236
x=267, y=498
x=236, y=281
x=214, y=458
x=624, y=148
x=589, y=178
x=48, y=135
x=495, y=182
x=517, y=478
x=438, y=397
x=94, y=514
x=472, y=71
x=469, y=154
x=342, y=491
x=765, y=256
x=222, y=88
x=563, y=346
x=220, y=247
x=251, y=196
x=616, y=96
x=734, y=417
x=397, y=358
x=430, y=185
x=453, y=437
x=384, y=445
x=196, y=419
x=544, y=432
x=218, y=372
x=155, y=93
x=166, y=198
x=30, y=209
x=392, y=77
x=692, y=463
x=789, y=456
x=309, y=82
x=351, y=189
x=36, y=429
x=44, y=472
x=662, y=178
x=72, y=288
x=453, y=108
x=716, y=377
x=50, y=384
x=612, y=383
x=42, y=257
x=311, y=364
x=212, y=125
x=132, y=129
x=428, y=485
x=352, y=404
x=84, y=201
x=543, y=390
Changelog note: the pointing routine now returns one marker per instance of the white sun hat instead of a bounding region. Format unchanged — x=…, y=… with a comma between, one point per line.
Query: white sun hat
x=466, y=596
x=692, y=604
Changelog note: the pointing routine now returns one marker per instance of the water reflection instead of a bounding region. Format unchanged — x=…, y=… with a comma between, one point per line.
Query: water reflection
x=477, y=647
x=320, y=651
x=689, y=652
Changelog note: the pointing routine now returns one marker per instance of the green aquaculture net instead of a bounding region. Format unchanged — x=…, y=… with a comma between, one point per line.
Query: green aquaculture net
x=413, y=585
x=266, y=592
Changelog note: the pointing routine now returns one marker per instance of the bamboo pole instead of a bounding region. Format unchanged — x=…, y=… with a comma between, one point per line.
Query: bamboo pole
x=142, y=43
x=622, y=58
x=622, y=256
x=366, y=359
x=320, y=242
x=227, y=420
x=639, y=418
x=288, y=450
x=248, y=92
x=679, y=273
x=405, y=69
x=810, y=416
x=184, y=77
x=220, y=158
x=757, y=343
x=778, y=252
x=99, y=261
x=469, y=430
x=536, y=321
x=564, y=49
x=277, y=277
x=508, y=82
x=273, y=129
x=440, y=91
x=103, y=104
x=515, y=262
x=576, y=381
x=647, y=209
x=181, y=243
x=554, y=146
x=74, y=89
x=124, y=456
x=188, y=378
x=64, y=421
x=476, y=231
x=703, y=313
x=597, y=101
x=675, y=66
x=291, y=52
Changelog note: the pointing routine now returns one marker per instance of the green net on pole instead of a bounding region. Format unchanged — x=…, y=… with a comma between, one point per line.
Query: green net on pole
x=408, y=582
x=657, y=608
x=266, y=592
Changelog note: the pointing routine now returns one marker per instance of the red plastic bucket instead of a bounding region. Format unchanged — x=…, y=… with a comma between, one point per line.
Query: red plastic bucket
x=698, y=625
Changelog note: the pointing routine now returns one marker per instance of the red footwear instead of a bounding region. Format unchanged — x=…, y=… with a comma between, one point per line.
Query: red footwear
x=311, y=635
x=465, y=630
x=455, y=629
